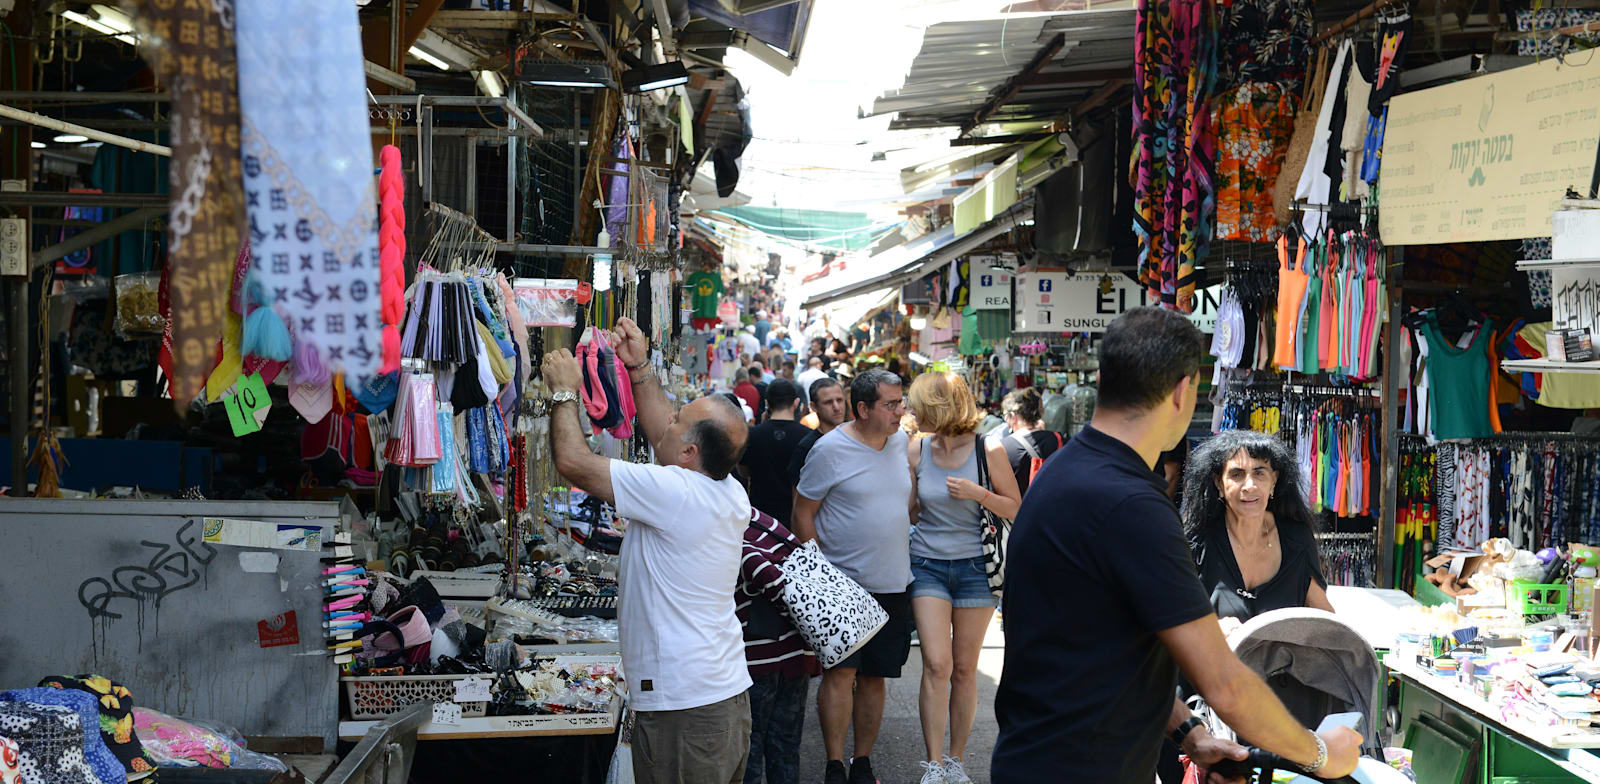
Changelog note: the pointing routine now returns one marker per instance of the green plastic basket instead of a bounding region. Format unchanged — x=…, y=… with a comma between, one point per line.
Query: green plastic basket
x=1532, y=598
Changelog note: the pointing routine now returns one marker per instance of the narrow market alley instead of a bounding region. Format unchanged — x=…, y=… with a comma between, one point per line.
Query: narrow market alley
x=623, y=391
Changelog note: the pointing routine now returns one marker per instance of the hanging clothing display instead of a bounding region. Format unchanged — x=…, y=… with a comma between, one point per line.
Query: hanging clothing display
x=1254, y=123
x=309, y=185
x=1264, y=41
x=1338, y=439
x=706, y=294
x=1537, y=490
x=1315, y=185
x=192, y=49
x=1242, y=338
x=1554, y=390
x=1332, y=305
x=1459, y=379
x=1174, y=191
x=1349, y=558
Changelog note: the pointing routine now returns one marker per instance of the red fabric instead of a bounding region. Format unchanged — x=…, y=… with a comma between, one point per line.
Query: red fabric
x=362, y=443
x=749, y=394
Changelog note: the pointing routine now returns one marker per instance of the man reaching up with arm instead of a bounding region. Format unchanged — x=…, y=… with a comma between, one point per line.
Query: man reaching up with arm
x=682, y=647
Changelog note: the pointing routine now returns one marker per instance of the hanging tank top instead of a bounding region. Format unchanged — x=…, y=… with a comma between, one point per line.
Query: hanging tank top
x=1291, y=289
x=1460, y=379
x=1310, y=313
x=947, y=528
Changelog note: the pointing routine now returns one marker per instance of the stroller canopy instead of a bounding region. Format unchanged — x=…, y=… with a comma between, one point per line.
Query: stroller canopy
x=1316, y=664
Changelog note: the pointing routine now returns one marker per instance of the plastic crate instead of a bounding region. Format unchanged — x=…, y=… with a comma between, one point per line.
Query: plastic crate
x=377, y=697
x=1530, y=598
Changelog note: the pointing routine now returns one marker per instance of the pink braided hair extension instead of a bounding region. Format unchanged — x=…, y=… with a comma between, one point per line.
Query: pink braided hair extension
x=392, y=252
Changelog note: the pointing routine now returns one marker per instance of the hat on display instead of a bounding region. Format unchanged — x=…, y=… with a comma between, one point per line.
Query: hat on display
x=116, y=717
x=413, y=625
x=50, y=745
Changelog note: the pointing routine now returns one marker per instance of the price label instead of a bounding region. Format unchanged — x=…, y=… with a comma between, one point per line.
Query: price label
x=248, y=408
x=472, y=690
x=446, y=713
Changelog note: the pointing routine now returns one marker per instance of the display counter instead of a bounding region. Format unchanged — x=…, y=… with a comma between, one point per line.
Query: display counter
x=1507, y=749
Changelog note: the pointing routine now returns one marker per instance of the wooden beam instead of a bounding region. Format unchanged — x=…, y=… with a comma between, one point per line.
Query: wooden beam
x=1085, y=76
x=1009, y=89
x=974, y=141
x=418, y=20
x=1102, y=95
x=479, y=20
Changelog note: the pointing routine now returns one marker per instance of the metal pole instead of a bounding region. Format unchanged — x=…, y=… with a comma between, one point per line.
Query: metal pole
x=17, y=316
x=99, y=233
x=1389, y=514
x=82, y=130
x=511, y=165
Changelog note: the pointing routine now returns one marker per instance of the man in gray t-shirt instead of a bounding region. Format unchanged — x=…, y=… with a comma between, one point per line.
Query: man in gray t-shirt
x=854, y=498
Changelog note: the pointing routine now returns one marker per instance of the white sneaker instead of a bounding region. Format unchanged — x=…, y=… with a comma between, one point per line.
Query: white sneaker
x=955, y=772
x=933, y=773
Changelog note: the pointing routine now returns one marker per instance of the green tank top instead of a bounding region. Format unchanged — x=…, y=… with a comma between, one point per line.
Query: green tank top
x=1459, y=380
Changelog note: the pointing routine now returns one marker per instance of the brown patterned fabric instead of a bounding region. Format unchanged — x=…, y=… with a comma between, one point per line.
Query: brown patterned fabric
x=190, y=44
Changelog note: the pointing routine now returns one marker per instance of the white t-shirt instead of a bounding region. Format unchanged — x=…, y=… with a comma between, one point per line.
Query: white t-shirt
x=864, y=522
x=749, y=345
x=682, y=646
x=806, y=378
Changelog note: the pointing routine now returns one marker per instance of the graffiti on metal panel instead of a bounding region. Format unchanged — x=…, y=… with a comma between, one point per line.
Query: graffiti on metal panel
x=171, y=568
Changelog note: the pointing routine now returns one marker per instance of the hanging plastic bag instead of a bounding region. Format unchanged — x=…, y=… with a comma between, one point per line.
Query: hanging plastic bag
x=548, y=302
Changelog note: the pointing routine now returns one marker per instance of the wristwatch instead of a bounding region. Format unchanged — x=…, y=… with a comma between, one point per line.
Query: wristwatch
x=563, y=396
x=1184, y=729
x=1322, y=756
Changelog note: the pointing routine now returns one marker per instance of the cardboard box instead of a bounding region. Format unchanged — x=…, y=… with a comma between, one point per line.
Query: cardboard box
x=1462, y=563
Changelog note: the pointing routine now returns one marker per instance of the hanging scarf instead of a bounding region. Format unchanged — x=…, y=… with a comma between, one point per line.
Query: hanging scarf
x=308, y=180
x=1173, y=172
x=192, y=48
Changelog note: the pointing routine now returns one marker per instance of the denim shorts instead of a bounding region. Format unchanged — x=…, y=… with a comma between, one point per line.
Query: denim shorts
x=962, y=582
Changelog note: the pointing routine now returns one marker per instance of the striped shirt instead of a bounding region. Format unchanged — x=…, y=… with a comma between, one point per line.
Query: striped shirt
x=772, y=646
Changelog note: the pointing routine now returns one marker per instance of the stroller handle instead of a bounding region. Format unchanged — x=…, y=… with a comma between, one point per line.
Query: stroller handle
x=1267, y=762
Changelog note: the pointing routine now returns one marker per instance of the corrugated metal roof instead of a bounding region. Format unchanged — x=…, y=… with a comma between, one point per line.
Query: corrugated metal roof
x=962, y=63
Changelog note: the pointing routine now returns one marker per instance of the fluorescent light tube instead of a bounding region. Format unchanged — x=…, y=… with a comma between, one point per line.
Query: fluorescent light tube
x=429, y=59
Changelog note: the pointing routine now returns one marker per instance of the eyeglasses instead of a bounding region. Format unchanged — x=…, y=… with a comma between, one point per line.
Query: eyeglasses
x=894, y=404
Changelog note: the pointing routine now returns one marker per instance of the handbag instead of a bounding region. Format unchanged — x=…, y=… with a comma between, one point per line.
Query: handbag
x=995, y=531
x=832, y=612
x=1301, y=139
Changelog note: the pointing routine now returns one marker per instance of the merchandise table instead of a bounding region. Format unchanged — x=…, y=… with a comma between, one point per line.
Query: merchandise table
x=492, y=727
x=1509, y=750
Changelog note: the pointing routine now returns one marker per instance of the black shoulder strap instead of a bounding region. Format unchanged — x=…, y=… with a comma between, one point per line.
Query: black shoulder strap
x=788, y=541
x=980, y=448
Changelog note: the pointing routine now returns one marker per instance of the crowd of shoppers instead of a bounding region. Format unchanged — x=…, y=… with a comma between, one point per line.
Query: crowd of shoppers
x=1106, y=606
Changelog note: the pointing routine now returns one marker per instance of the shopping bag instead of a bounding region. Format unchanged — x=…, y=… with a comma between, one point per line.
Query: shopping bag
x=833, y=613
x=995, y=531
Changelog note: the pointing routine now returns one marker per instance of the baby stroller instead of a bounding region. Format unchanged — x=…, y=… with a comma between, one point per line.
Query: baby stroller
x=1318, y=666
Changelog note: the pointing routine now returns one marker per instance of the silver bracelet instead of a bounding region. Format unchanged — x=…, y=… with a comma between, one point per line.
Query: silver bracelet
x=1322, y=756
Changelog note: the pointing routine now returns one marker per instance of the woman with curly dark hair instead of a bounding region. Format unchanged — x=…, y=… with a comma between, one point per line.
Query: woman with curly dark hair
x=1249, y=528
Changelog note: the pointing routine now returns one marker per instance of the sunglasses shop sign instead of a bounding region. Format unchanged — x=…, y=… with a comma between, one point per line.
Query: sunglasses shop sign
x=1088, y=302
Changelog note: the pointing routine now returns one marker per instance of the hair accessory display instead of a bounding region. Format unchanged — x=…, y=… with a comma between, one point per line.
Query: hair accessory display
x=391, y=252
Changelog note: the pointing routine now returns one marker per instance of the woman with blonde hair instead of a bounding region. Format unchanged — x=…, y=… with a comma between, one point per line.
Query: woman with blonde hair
x=950, y=595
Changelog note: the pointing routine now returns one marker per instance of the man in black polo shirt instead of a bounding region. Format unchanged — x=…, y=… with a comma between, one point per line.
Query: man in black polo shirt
x=1102, y=603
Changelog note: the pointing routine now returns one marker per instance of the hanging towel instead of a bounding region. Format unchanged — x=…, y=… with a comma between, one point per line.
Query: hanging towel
x=191, y=46
x=308, y=177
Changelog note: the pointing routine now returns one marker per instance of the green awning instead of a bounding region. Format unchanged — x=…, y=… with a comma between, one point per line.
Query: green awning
x=994, y=194
x=846, y=231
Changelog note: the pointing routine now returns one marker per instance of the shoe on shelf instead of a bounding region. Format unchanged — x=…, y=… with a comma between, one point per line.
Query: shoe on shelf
x=861, y=771
x=834, y=773
x=933, y=773
x=955, y=772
